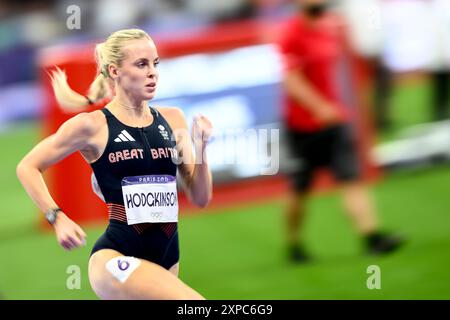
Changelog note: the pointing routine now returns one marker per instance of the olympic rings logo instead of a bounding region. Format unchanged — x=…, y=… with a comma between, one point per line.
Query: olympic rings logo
x=156, y=215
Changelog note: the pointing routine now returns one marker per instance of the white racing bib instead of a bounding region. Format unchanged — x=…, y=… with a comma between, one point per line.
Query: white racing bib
x=150, y=199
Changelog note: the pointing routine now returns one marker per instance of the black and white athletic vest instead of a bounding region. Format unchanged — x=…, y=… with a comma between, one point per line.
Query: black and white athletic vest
x=131, y=156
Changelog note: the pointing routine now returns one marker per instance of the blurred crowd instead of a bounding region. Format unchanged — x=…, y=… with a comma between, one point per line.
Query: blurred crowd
x=27, y=25
x=398, y=36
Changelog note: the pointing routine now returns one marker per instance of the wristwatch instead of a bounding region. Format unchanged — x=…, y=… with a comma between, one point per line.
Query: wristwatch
x=51, y=215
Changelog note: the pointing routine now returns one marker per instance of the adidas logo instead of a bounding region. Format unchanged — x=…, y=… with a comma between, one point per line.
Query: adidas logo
x=124, y=136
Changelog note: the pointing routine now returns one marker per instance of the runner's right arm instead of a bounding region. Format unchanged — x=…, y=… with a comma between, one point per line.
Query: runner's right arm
x=72, y=136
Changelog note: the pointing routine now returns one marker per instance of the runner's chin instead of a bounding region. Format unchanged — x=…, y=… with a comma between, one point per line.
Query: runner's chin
x=149, y=92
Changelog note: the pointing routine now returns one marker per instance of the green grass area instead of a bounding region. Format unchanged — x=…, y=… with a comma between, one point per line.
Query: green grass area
x=238, y=253
x=250, y=263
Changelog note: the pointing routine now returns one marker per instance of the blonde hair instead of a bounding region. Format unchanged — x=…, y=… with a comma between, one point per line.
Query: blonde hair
x=106, y=53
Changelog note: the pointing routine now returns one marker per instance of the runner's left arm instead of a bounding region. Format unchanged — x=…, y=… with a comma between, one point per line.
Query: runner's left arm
x=193, y=164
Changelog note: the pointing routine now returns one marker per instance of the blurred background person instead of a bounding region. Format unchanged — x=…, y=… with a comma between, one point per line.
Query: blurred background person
x=318, y=125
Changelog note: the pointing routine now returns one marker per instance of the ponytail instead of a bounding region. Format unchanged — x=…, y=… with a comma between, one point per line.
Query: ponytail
x=70, y=100
x=100, y=88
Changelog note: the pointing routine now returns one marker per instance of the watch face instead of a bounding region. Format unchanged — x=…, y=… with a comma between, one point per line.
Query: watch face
x=51, y=217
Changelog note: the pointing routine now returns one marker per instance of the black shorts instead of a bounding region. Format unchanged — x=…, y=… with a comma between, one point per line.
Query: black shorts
x=333, y=148
x=155, y=244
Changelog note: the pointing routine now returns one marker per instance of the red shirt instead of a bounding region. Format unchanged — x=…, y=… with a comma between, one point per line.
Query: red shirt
x=314, y=50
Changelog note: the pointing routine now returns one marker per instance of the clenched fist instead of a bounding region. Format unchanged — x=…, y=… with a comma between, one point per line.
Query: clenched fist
x=68, y=233
x=201, y=130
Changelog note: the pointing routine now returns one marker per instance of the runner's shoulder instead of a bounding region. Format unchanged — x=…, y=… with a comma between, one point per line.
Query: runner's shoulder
x=174, y=116
x=87, y=124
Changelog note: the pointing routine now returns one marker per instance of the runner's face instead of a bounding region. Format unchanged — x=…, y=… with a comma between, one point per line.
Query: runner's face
x=138, y=74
